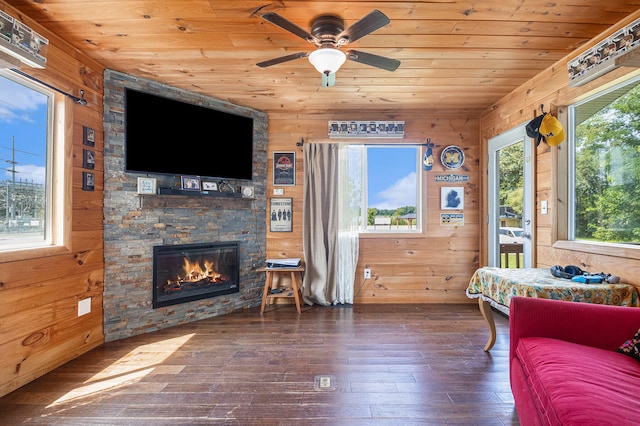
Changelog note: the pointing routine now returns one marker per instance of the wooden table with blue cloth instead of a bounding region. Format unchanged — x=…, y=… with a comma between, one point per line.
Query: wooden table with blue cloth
x=495, y=287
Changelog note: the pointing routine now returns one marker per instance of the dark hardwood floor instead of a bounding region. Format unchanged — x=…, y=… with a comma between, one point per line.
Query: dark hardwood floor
x=363, y=365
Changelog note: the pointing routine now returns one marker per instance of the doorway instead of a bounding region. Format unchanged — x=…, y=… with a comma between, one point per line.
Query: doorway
x=511, y=211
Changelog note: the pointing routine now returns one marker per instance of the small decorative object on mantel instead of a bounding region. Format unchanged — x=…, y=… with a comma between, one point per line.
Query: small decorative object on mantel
x=366, y=129
x=284, y=168
x=606, y=56
x=247, y=192
x=209, y=186
x=224, y=186
x=146, y=185
x=452, y=157
x=190, y=183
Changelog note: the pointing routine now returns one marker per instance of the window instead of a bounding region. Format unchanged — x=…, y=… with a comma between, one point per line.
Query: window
x=25, y=183
x=605, y=166
x=390, y=188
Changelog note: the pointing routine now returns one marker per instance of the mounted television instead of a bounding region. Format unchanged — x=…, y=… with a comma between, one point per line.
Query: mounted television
x=166, y=136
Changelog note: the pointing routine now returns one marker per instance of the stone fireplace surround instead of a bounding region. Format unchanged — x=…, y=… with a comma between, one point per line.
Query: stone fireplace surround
x=134, y=224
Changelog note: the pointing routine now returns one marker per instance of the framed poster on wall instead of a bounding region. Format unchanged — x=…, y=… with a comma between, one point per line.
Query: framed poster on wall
x=281, y=215
x=284, y=169
x=452, y=198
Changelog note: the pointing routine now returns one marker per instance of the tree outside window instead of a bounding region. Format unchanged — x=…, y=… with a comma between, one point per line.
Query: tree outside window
x=607, y=166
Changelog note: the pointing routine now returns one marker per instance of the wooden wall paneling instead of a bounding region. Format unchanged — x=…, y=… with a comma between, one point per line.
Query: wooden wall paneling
x=81, y=283
x=441, y=258
x=36, y=362
x=39, y=324
x=35, y=270
x=393, y=263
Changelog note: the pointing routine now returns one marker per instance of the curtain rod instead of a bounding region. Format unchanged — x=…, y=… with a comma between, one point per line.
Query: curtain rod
x=81, y=100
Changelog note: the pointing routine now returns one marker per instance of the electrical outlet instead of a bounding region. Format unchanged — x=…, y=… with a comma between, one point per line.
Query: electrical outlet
x=84, y=306
x=367, y=273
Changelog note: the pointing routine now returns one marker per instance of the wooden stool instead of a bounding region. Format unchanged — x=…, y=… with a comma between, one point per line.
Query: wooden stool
x=296, y=282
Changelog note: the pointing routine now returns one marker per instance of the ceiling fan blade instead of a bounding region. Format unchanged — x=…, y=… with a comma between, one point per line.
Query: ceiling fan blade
x=287, y=25
x=373, y=60
x=368, y=24
x=282, y=59
x=328, y=80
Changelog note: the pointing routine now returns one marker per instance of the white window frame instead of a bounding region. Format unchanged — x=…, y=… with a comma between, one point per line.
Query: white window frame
x=419, y=149
x=565, y=230
x=58, y=182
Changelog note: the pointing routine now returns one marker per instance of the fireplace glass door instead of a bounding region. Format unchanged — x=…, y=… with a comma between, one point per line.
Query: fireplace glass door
x=183, y=273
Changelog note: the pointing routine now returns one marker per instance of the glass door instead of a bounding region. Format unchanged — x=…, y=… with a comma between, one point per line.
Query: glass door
x=511, y=211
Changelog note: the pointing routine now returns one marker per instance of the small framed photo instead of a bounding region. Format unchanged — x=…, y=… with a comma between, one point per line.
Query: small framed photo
x=284, y=168
x=281, y=214
x=88, y=159
x=452, y=198
x=209, y=186
x=88, y=181
x=190, y=183
x=88, y=136
x=147, y=185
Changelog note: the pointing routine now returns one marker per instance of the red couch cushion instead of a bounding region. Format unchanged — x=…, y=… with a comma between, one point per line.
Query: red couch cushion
x=574, y=384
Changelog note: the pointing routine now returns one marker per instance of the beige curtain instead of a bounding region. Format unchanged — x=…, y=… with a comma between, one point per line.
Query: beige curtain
x=329, y=239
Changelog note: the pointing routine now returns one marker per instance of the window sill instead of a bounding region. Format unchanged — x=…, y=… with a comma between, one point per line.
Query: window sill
x=32, y=253
x=626, y=251
x=391, y=234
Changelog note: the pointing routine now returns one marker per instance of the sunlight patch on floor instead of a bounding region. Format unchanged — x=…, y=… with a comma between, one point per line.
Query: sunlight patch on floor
x=128, y=369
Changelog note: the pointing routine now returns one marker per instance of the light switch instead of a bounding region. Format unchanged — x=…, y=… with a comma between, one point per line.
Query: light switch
x=543, y=207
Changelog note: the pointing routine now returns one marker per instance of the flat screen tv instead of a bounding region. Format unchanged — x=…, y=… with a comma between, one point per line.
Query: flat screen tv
x=166, y=136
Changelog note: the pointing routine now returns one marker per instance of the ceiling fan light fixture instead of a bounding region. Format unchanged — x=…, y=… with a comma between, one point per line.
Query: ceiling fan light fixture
x=327, y=60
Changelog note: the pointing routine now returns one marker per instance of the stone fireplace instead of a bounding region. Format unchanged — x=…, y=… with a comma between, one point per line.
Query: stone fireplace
x=136, y=223
x=186, y=272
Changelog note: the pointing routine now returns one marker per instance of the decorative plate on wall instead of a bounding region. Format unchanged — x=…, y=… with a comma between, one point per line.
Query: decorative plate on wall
x=452, y=157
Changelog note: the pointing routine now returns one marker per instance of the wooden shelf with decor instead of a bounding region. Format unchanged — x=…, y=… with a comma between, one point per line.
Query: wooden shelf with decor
x=629, y=58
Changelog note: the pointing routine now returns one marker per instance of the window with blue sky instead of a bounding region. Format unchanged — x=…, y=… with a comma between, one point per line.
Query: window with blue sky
x=23, y=162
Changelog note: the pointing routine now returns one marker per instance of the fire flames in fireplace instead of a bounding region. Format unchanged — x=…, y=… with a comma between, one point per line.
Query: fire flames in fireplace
x=183, y=273
x=194, y=275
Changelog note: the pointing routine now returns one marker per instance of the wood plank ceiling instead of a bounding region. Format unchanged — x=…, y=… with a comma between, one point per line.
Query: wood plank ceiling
x=456, y=55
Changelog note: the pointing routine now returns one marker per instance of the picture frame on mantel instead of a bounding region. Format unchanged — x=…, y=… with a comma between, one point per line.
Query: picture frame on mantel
x=147, y=185
x=281, y=214
x=190, y=183
x=209, y=186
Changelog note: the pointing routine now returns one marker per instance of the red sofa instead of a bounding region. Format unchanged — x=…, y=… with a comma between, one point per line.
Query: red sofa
x=564, y=365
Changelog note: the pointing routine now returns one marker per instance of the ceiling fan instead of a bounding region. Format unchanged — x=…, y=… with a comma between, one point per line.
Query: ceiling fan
x=329, y=35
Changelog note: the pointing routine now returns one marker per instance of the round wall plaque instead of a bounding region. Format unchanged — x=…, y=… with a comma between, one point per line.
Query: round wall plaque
x=452, y=157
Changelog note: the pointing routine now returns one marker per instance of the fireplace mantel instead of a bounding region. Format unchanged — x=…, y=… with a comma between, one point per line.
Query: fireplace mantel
x=149, y=201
